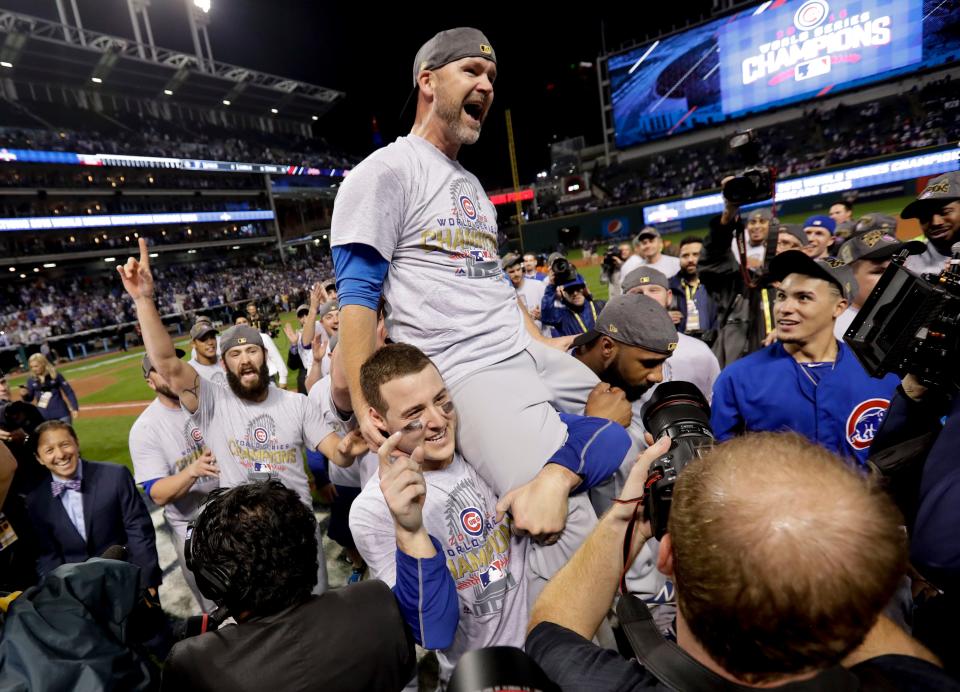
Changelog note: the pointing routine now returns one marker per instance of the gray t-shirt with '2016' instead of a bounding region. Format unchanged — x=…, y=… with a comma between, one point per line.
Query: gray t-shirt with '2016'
x=429, y=217
x=255, y=441
x=163, y=442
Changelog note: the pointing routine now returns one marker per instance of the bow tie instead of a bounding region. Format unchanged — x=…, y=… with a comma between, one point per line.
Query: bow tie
x=57, y=487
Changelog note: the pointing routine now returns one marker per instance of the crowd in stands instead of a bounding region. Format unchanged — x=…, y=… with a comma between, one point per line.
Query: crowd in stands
x=26, y=245
x=88, y=132
x=919, y=118
x=33, y=311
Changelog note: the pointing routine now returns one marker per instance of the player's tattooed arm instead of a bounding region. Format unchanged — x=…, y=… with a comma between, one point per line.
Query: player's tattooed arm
x=190, y=395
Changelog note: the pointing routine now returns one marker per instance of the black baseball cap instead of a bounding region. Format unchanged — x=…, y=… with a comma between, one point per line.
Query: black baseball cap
x=826, y=268
x=635, y=320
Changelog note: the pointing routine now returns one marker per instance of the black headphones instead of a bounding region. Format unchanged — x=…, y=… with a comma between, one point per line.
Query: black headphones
x=214, y=581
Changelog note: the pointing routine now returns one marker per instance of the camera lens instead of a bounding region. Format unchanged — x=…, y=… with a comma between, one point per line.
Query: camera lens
x=677, y=409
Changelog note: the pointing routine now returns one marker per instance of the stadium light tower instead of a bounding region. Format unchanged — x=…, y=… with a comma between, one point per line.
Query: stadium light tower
x=138, y=10
x=198, y=13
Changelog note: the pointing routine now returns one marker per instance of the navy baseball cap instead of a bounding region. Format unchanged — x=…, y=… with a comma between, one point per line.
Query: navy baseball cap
x=820, y=222
x=575, y=283
x=827, y=268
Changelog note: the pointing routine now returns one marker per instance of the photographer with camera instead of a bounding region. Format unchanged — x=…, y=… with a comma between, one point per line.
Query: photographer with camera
x=744, y=305
x=611, y=265
x=254, y=553
x=835, y=546
x=577, y=311
x=937, y=209
x=807, y=381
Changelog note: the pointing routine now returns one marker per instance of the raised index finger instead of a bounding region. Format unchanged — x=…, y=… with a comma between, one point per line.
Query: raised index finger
x=144, y=253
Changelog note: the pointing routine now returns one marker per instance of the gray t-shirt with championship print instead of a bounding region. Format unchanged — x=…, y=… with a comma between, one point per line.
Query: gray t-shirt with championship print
x=429, y=217
x=256, y=441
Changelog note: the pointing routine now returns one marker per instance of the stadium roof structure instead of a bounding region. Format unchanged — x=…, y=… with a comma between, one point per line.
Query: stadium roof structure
x=41, y=51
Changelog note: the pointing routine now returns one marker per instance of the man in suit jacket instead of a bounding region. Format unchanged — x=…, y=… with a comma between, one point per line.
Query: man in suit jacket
x=86, y=507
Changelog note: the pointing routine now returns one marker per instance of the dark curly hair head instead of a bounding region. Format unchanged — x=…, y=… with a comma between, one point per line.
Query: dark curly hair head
x=264, y=538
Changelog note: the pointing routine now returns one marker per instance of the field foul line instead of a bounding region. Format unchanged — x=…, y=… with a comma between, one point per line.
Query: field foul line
x=106, y=407
x=112, y=361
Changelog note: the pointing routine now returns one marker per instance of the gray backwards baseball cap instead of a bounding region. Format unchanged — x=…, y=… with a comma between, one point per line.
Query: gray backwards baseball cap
x=827, y=268
x=511, y=259
x=303, y=309
x=940, y=190
x=146, y=365
x=795, y=230
x=239, y=335
x=876, y=243
x=635, y=320
x=327, y=308
x=452, y=45
x=644, y=276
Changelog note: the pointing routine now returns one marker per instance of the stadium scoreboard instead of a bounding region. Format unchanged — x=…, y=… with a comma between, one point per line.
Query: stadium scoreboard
x=771, y=55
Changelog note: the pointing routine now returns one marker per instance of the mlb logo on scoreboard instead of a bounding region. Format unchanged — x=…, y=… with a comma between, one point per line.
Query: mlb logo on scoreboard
x=812, y=68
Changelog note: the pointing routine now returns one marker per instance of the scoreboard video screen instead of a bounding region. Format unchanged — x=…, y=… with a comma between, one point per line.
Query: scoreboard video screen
x=772, y=55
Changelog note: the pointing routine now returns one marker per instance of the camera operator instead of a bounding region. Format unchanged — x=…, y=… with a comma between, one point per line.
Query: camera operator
x=610, y=268
x=869, y=252
x=807, y=381
x=744, y=305
x=577, y=311
x=835, y=547
x=254, y=551
x=938, y=210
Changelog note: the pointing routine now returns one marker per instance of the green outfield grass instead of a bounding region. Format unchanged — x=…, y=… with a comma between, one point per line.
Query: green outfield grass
x=104, y=438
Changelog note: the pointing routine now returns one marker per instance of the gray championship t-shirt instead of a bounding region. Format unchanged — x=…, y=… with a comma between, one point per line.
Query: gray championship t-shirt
x=256, y=441
x=163, y=442
x=211, y=373
x=485, y=560
x=429, y=217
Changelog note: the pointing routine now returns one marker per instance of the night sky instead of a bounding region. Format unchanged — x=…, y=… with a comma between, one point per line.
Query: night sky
x=367, y=51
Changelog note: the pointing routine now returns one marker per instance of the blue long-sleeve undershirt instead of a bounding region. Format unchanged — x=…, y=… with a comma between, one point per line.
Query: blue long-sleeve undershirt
x=427, y=596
